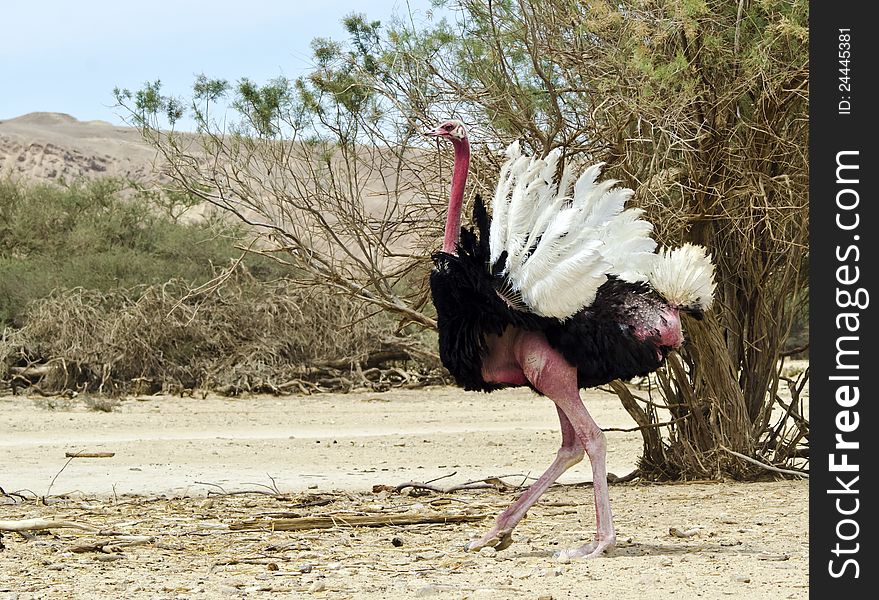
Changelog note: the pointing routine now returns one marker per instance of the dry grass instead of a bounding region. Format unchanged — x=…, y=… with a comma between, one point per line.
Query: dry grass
x=245, y=336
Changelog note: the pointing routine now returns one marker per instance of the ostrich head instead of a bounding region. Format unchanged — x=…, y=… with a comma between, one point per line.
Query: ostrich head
x=454, y=131
x=451, y=129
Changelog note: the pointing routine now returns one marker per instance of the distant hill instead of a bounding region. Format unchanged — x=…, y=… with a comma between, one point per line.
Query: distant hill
x=46, y=147
x=55, y=146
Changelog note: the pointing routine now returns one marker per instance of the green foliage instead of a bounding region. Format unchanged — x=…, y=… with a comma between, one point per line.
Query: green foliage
x=101, y=235
x=148, y=102
x=264, y=105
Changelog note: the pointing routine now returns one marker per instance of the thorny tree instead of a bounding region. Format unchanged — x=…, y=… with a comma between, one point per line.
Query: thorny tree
x=700, y=107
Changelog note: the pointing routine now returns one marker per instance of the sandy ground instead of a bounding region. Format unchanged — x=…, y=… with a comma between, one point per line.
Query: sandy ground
x=175, y=457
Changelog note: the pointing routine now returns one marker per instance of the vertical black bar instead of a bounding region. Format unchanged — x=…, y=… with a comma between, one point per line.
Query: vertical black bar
x=843, y=246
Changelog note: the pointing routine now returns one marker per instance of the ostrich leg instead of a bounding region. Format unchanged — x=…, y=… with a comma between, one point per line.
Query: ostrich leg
x=570, y=453
x=556, y=378
x=592, y=438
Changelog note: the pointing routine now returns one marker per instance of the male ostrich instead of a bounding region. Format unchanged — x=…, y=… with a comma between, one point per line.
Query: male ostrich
x=563, y=290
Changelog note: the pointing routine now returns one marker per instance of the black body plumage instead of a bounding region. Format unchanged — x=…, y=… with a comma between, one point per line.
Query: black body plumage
x=598, y=340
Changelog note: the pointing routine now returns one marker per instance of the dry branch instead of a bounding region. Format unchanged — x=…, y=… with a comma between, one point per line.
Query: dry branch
x=42, y=525
x=764, y=465
x=112, y=546
x=89, y=454
x=486, y=483
x=330, y=521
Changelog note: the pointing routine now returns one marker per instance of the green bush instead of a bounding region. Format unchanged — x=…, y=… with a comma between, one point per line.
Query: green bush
x=101, y=235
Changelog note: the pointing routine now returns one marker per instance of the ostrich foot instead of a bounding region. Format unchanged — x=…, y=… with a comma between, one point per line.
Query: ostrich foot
x=497, y=538
x=590, y=550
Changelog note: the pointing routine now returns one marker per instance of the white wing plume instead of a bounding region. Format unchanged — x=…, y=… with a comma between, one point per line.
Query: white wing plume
x=563, y=239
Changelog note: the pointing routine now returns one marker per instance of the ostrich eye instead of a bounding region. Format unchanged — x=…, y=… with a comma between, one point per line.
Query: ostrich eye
x=448, y=127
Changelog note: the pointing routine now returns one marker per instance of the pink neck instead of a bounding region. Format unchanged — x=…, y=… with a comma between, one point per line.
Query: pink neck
x=456, y=198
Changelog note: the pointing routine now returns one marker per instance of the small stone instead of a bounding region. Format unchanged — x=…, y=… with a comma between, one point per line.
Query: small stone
x=487, y=551
x=397, y=541
x=272, y=566
x=430, y=590
x=317, y=586
x=545, y=597
x=108, y=557
x=742, y=578
x=429, y=555
x=563, y=558
x=306, y=568
x=666, y=562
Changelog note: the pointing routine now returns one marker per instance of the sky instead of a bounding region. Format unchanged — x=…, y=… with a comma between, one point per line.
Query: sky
x=67, y=56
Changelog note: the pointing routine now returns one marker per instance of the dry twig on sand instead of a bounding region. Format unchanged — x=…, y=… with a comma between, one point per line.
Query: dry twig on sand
x=42, y=525
x=485, y=483
x=330, y=521
x=764, y=465
x=84, y=454
x=114, y=545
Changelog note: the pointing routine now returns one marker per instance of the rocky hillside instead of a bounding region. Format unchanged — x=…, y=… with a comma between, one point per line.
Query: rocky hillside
x=56, y=146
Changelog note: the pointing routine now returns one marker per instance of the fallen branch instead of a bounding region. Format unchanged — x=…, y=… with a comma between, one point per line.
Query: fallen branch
x=250, y=561
x=33, y=371
x=486, y=483
x=51, y=483
x=84, y=454
x=611, y=478
x=764, y=465
x=113, y=546
x=13, y=495
x=330, y=521
x=42, y=525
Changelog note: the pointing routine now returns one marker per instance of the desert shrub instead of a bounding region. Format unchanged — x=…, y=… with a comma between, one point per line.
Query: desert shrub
x=244, y=336
x=102, y=235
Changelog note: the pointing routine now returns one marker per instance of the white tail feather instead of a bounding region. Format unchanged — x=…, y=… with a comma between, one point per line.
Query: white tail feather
x=684, y=276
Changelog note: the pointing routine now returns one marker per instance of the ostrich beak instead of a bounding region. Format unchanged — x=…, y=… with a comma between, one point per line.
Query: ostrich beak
x=437, y=132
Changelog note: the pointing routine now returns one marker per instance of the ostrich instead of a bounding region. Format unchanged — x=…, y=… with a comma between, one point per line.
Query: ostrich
x=562, y=289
